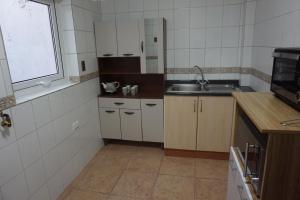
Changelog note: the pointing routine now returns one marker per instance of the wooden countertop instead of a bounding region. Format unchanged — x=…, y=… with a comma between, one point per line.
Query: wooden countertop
x=267, y=111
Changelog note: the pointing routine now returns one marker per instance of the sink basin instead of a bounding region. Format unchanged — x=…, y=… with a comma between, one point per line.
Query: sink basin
x=196, y=89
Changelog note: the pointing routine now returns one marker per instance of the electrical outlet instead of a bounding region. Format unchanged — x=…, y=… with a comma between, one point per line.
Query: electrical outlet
x=75, y=125
x=83, y=66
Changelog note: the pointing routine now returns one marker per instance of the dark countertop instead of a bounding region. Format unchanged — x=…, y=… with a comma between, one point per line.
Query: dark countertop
x=232, y=82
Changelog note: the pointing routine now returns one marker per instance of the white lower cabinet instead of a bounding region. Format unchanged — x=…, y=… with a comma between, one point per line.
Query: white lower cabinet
x=152, y=120
x=237, y=188
x=110, y=123
x=132, y=119
x=131, y=124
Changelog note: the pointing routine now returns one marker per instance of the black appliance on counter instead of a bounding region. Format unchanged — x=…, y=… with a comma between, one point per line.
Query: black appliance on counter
x=286, y=75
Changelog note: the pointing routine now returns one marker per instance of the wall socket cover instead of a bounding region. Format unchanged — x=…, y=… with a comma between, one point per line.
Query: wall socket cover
x=75, y=125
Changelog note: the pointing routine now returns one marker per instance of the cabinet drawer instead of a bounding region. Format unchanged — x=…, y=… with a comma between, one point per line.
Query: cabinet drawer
x=120, y=103
x=110, y=123
x=152, y=120
x=131, y=125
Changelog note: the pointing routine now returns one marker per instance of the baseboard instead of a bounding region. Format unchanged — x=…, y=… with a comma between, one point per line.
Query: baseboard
x=133, y=143
x=197, y=154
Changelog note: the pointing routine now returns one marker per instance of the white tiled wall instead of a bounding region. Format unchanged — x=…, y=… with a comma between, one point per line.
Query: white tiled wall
x=195, y=28
x=5, y=81
x=76, y=19
x=277, y=24
x=42, y=153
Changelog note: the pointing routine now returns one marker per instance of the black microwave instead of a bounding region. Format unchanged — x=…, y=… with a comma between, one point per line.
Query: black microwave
x=286, y=75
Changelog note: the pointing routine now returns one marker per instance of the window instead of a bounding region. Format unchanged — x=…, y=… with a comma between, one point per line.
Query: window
x=31, y=41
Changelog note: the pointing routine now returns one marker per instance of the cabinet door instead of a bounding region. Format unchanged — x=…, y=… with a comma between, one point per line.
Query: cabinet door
x=153, y=45
x=131, y=125
x=180, y=122
x=106, y=39
x=128, y=36
x=110, y=123
x=214, y=123
x=152, y=120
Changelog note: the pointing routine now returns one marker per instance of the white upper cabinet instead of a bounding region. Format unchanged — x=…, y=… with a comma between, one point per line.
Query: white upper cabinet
x=106, y=39
x=128, y=37
x=152, y=46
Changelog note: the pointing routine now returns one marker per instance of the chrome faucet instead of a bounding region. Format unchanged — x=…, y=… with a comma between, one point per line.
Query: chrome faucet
x=203, y=83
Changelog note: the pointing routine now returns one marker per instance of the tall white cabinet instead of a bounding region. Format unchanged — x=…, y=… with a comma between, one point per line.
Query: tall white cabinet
x=128, y=37
x=144, y=38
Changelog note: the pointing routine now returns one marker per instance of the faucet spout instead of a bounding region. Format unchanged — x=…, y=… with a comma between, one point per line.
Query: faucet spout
x=202, y=82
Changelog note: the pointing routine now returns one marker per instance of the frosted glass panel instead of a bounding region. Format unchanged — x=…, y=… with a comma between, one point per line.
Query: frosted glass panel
x=28, y=39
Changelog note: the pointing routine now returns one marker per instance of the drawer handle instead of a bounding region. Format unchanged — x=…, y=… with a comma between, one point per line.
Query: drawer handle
x=151, y=104
x=108, y=54
x=118, y=103
x=128, y=54
x=109, y=111
x=129, y=113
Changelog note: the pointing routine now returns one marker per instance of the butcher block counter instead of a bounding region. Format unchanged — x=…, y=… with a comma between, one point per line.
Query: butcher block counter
x=281, y=177
x=267, y=112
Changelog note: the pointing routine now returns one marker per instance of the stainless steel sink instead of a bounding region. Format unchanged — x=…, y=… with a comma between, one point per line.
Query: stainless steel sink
x=196, y=88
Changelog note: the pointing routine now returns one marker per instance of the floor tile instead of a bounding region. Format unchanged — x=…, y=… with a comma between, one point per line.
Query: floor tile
x=153, y=152
x=144, y=164
x=114, y=197
x=208, y=189
x=178, y=166
x=100, y=178
x=135, y=184
x=82, y=195
x=174, y=188
x=212, y=169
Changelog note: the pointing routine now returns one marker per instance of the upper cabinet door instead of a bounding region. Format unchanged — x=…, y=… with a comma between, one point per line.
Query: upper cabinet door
x=106, y=39
x=214, y=123
x=180, y=122
x=128, y=36
x=152, y=46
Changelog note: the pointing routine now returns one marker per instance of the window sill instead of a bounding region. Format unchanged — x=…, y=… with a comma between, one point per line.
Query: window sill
x=29, y=94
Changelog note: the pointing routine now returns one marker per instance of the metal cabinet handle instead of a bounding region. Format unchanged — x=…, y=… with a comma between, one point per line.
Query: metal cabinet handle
x=150, y=104
x=201, y=108
x=129, y=113
x=109, y=111
x=128, y=54
x=142, y=46
x=6, y=120
x=118, y=103
x=108, y=54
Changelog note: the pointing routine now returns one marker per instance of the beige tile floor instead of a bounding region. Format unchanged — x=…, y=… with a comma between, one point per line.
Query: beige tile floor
x=121, y=172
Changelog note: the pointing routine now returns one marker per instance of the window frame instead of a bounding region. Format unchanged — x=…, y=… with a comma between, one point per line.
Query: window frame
x=57, y=53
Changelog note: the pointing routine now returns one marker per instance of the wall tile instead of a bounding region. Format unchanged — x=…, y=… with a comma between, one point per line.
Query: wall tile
x=42, y=194
x=56, y=104
x=52, y=162
x=181, y=58
x=107, y=6
x=231, y=15
x=198, y=3
x=181, y=38
x=182, y=18
x=229, y=57
x=35, y=176
x=10, y=163
x=214, y=16
x=41, y=111
x=16, y=188
x=165, y=4
x=135, y=5
x=23, y=119
x=46, y=135
x=230, y=36
x=213, y=37
x=212, y=57
x=150, y=4
x=181, y=3
x=29, y=149
x=2, y=50
x=55, y=186
x=197, y=57
x=197, y=17
x=197, y=38
x=121, y=6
